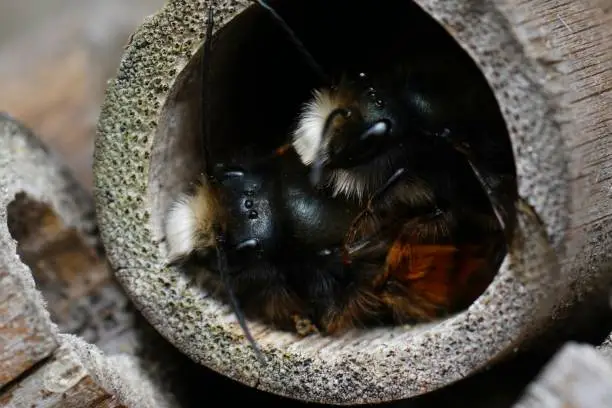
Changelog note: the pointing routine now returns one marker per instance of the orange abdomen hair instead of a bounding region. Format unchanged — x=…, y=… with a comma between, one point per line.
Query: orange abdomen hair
x=428, y=280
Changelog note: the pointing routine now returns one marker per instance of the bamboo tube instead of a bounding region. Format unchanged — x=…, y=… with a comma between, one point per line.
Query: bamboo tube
x=548, y=63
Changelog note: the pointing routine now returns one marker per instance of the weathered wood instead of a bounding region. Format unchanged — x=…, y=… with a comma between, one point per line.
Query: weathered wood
x=62, y=382
x=26, y=333
x=575, y=38
x=75, y=279
x=579, y=376
x=49, y=247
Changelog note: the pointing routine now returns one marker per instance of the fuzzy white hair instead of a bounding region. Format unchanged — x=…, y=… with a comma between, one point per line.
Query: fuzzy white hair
x=189, y=224
x=308, y=135
x=308, y=139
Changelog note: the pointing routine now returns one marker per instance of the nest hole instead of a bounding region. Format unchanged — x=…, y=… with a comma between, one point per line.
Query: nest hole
x=67, y=270
x=259, y=80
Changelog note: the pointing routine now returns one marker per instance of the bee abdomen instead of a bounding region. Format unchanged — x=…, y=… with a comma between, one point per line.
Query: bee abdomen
x=427, y=281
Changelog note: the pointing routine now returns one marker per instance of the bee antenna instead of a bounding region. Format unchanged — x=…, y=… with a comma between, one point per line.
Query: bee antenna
x=223, y=271
x=206, y=128
x=206, y=95
x=497, y=206
x=298, y=43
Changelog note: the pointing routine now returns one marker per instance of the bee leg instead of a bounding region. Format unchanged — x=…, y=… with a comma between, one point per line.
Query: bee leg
x=369, y=210
x=464, y=148
x=384, y=188
x=416, y=239
x=497, y=206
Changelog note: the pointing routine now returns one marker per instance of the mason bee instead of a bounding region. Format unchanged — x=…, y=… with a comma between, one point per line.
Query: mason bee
x=390, y=203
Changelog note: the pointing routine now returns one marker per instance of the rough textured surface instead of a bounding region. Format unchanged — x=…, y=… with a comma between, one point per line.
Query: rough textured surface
x=78, y=374
x=26, y=335
x=578, y=377
x=575, y=38
x=142, y=108
x=73, y=276
x=61, y=381
x=122, y=375
x=135, y=372
x=16, y=161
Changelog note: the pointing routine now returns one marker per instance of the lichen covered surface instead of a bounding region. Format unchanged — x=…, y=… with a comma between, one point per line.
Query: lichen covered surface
x=377, y=365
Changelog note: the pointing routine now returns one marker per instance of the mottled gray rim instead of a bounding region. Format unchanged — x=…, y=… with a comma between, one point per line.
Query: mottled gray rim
x=379, y=365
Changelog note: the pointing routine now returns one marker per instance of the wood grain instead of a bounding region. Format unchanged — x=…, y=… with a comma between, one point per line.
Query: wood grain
x=577, y=35
x=72, y=275
x=578, y=377
x=26, y=337
x=61, y=382
x=53, y=270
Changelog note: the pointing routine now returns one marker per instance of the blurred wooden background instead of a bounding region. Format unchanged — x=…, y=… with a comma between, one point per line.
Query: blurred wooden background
x=55, y=59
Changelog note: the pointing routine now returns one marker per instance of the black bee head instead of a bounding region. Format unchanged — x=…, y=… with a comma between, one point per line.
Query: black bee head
x=354, y=127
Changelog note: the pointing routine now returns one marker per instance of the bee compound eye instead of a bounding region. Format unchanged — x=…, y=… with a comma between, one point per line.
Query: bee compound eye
x=251, y=243
x=233, y=173
x=225, y=172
